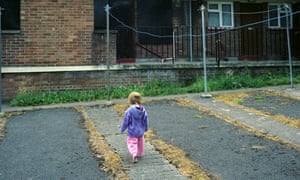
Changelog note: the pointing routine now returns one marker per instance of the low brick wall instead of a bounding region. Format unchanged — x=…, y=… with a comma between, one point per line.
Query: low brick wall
x=95, y=77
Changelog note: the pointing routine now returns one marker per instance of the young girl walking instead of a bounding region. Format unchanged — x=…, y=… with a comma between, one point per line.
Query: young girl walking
x=136, y=121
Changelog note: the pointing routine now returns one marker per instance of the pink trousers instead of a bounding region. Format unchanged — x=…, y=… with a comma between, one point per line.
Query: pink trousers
x=135, y=145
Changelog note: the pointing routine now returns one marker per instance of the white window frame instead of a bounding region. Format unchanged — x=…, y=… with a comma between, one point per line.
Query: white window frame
x=280, y=12
x=220, y=12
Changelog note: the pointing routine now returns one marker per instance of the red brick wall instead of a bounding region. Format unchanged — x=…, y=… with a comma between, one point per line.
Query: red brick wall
x=53, y=32
x=99, y=48
x=17, y=83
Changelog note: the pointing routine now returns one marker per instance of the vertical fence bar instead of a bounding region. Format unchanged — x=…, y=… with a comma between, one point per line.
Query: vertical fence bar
x=174, y=47
x=187, y=43
x=257, y=40
x=271, y=44
x=197, y=42
x=262, y=43
x=240, y=42
x=217, y=48
x=232, y=51
x=249, y=36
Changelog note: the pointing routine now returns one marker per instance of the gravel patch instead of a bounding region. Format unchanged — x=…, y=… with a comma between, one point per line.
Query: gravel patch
x=226, y=151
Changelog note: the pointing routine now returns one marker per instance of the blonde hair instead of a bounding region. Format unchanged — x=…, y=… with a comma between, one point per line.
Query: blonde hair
x=135, y=98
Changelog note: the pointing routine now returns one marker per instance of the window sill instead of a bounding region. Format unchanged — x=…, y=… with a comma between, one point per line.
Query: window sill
x=219, y=28
x=104, y=31
x=278, y=28
x=11, y=31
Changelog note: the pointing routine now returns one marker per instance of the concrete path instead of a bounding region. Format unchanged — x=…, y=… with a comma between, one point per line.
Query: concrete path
x=151, y=166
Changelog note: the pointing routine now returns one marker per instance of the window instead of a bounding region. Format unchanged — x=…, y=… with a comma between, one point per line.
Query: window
x=10, y=14
x=155, y=17
x=220, y=14
x=277, y=16
x=121, y=9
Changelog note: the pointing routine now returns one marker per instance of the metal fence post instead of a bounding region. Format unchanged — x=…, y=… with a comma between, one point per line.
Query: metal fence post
x=289, y=43
x=204, y=52
x=107, y=8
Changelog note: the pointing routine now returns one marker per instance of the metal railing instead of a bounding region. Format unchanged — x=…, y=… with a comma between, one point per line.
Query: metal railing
x=257, y=43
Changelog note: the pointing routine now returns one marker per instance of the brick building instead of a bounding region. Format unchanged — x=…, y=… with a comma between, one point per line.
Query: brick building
x=61, y=44
x=46, y=44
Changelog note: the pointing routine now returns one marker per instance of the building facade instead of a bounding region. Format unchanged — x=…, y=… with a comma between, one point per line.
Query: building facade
x=62, y=44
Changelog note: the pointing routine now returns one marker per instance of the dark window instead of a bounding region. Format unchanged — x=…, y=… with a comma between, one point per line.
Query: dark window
x=121, y=9
x=10, y=14
x=220, y=14
x=155, y=17
x=99, y=14
x=277, y=15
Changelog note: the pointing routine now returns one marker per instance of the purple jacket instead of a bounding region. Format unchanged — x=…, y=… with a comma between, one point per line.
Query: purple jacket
x=136, y=120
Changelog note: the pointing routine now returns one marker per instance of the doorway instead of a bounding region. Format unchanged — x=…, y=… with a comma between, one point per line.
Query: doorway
x=123, y=11
x=251, y=36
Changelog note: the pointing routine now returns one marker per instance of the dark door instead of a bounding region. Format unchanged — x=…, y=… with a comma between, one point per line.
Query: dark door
x=295, y=32
x=251, y=36
x=123, y=12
